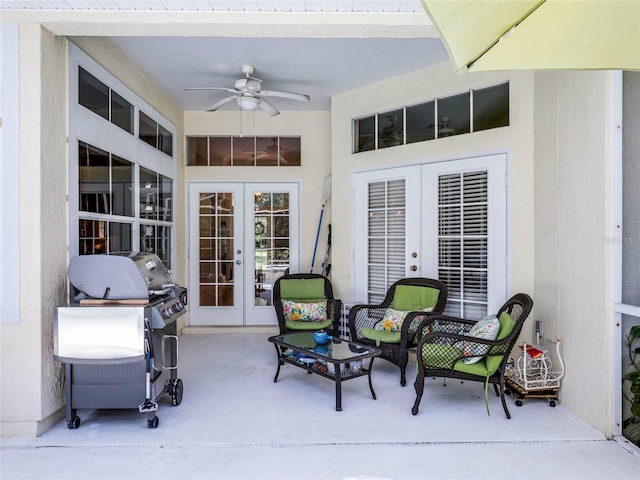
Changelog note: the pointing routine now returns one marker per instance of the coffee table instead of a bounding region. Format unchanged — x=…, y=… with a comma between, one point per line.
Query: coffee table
x=338, y=360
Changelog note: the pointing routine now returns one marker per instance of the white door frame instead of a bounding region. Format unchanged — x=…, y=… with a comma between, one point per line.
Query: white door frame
x=245, y=310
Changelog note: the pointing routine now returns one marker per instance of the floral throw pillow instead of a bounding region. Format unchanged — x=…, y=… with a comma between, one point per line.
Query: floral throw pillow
x=392, y=320
x=486, y=328
x=304, y=312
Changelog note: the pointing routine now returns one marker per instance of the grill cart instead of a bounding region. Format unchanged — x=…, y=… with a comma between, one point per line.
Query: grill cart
x=118, y=337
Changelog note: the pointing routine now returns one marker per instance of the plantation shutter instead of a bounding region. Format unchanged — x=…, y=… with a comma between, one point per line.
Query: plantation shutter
x=386, y=235
x=462, y=241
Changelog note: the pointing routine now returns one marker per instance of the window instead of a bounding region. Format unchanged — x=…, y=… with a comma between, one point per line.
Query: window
x=438, y=118
x=223, y=151
x=100, y=99
x=491, y=107
x=120, y=192
x=151, y=132
x=106, y=187
x=391, y=129
x=364, y=134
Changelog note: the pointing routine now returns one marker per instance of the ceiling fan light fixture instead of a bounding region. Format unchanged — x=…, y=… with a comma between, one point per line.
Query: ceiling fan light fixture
x=248, y=103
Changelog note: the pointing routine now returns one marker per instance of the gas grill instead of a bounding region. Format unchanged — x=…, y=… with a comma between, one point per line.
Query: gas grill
x=118, y=336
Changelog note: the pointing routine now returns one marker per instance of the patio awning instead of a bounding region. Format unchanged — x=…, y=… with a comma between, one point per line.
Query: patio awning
x=489, y=35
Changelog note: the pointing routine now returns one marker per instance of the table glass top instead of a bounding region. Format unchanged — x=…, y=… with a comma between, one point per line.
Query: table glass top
x=336, y=349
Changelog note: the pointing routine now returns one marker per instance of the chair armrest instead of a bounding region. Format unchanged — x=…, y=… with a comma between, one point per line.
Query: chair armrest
x=364, y=316
x=334, y=312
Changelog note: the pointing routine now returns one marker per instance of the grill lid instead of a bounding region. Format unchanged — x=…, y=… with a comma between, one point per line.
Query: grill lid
x=119, y=276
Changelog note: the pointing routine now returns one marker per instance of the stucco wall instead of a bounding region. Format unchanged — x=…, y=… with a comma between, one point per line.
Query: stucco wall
x=27, y=347
x=32, y=393
x=434, y=82
x=573, y=178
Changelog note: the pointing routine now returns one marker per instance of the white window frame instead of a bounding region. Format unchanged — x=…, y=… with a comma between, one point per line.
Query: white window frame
x=86, y=126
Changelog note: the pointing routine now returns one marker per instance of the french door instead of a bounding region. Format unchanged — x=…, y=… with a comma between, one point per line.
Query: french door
x=444, y=220
x=242, y=237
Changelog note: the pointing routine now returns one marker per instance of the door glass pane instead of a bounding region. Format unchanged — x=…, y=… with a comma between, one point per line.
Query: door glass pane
x=463, y=242
x=216, y=249
x=272, y=242
x=386, y=238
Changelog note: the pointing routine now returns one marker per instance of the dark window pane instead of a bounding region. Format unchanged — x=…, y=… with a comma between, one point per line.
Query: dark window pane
x=148, y=130
x=421, y=122
x=364, y=134
x=121, y=186
x=244, y=151
x=220, y=148
x=93, y=237
x=165, y=140
x=267, y=151
x=121, y=112
x=119, y=237
x=148, y=193
x=491, y=107
x=197, y=151
x=390, y=129
x=165, y=207
x=453, y=115
x=290, y=152
x=93, y=94
x=93, y=176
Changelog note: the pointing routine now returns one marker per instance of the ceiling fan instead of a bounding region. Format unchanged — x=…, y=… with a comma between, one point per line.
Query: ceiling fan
x=248, y=94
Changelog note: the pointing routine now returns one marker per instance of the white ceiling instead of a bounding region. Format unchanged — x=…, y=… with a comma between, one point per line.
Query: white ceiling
x=319, y=65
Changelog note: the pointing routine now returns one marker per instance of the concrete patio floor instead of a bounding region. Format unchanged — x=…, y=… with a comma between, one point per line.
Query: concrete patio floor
x=235, y=423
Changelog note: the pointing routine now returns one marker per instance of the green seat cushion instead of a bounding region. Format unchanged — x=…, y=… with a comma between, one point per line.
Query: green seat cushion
x=506, y=327
x=479, y=368
x=414, y=297
x=380, y=336
x=304, y=290
x=309, y=326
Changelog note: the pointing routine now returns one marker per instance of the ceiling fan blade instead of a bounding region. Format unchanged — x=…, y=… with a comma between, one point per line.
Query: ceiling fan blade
x=222, y=102
x=267, y=107
x=232, y=90
x=290, y=95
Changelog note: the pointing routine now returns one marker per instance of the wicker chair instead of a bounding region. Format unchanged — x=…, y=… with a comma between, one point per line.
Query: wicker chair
x=306, y=288
x=365, y=321
x=444, y=343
